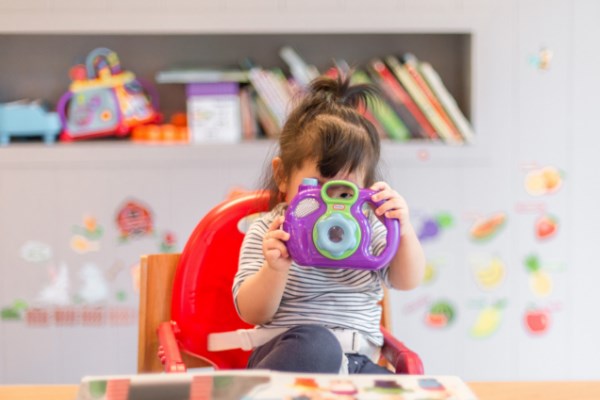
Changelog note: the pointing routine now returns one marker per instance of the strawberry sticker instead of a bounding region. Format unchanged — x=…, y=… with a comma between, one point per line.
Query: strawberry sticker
x=546, y=227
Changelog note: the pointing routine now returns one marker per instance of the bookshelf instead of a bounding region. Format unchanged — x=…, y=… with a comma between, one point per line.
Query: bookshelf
x=44, y=60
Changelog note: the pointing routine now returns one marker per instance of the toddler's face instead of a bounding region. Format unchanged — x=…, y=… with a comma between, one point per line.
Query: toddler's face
x=309, y=170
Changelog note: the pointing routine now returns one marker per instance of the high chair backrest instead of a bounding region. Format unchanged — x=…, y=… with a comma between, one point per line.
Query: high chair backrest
x=202, y=302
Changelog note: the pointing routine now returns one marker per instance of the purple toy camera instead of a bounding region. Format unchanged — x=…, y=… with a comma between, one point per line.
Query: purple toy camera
x=329, y=229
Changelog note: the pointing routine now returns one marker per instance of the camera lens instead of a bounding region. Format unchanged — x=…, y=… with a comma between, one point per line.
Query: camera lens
x=336, y=234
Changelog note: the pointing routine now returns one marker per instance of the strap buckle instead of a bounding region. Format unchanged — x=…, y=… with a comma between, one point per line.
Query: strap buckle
x=245, y=339
x=356, y=342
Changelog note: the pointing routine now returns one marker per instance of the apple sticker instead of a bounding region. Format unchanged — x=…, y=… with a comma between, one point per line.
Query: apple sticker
x=536, y=320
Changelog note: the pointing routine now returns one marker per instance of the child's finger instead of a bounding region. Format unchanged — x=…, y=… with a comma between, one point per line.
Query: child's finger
x=393, y=214
x=277, y=222
x=377, y=186
x=382, y=195
x=277, y=250
x=272, y=254
x=385, y=207
x=392, y=204
x=283, y=250
x=279, y=234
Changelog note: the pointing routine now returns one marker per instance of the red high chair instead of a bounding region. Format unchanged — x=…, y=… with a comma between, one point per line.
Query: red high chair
x=198, y=283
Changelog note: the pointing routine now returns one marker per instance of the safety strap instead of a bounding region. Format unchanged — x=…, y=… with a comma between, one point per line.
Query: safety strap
x=247, y=339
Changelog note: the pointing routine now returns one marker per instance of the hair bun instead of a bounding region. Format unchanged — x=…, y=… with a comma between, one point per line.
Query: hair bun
x=339, y=89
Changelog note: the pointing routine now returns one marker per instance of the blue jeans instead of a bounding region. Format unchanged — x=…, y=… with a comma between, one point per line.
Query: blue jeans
x=309, y=348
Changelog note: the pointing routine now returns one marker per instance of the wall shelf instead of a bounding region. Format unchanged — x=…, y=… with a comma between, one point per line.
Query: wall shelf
x=118, y=154
x=36, y=66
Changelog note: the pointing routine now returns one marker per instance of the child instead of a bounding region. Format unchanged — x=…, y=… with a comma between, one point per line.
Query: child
x=322, y=320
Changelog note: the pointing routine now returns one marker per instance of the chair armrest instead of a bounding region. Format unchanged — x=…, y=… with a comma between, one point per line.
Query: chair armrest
x=168, y=350
x=403, y=359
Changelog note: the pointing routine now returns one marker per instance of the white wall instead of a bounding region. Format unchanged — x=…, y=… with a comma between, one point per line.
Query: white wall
x=525, y=118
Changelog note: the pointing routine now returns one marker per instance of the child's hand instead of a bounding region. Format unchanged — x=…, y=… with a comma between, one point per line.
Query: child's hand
x=394, y=205
x=274, y=249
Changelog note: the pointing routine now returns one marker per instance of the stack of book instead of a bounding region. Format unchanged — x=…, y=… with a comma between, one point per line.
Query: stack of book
x=414, y=103
x=420, y=99
x=268, y=102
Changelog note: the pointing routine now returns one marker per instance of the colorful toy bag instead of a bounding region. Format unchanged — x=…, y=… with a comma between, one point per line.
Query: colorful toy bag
x=103, y=100
x=334, y=232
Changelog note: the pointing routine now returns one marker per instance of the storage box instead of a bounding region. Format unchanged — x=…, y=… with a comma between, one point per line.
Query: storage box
x=214, y=112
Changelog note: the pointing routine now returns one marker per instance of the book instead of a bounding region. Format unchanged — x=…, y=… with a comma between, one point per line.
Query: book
x=272, y=89
x=248, y=114
x=448, y=102
x=268, y=385
x=265, y=118
x=302, y=72
x=286, y=87
x=198, y=75
x=363, y=108
x=371, y=118
x=406, y=108
x=411, y=64
x=387, y=117
x=440, y=126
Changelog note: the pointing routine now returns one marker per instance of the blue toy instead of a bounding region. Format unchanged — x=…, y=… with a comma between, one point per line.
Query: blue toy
x=22, y=119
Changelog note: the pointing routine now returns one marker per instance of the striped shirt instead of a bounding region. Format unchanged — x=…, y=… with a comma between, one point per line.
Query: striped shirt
x=331, y=297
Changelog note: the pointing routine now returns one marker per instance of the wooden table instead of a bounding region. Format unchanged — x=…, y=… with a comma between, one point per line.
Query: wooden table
x=536, y=390
x=41, y=392
x=484, y=390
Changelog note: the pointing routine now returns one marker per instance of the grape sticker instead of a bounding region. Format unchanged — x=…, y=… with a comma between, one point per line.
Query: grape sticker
x=432, y=226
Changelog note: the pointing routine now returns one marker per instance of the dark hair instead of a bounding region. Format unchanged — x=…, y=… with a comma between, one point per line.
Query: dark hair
x=328, y=127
